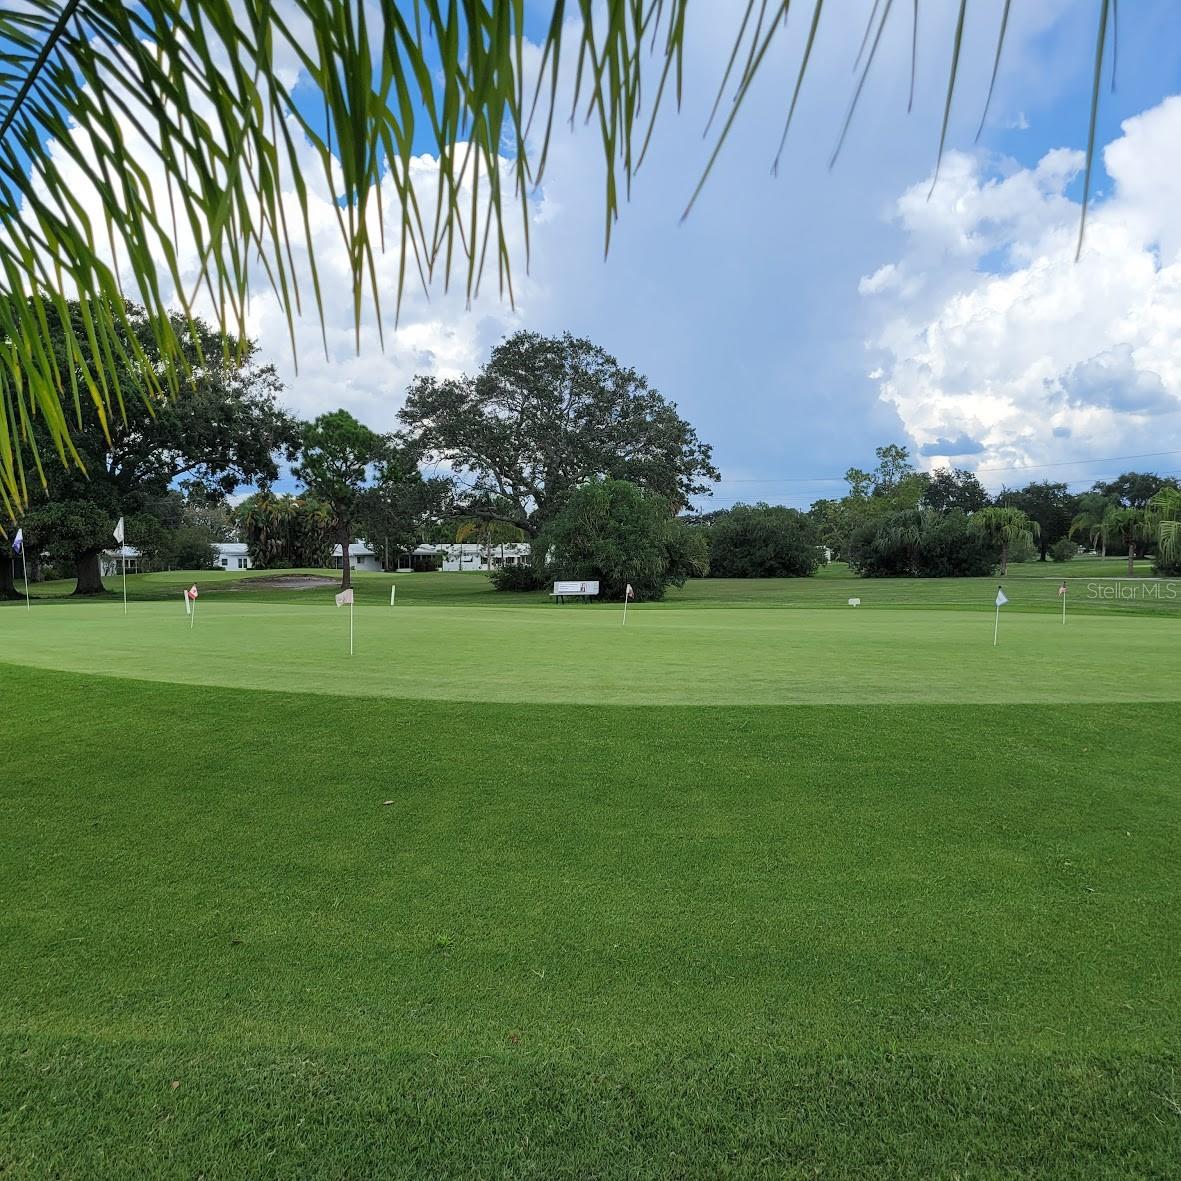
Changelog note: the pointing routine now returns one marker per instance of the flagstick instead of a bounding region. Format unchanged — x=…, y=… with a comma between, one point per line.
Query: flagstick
x=350, y=629
x=25, y=568
x=192, y=614
x=123, y=548
x=624, y=623
x=996, y=627
x=1064, y=607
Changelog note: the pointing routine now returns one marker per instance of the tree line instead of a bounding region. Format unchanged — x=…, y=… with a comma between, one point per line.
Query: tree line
x=552, y=441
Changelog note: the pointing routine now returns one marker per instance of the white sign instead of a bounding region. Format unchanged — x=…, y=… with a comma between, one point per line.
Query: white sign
x=576, y=588
x=854, y=602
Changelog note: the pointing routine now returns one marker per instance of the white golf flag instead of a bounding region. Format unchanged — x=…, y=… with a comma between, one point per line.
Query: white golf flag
x=1000, y=597
x=119, y=531
x=345, y=598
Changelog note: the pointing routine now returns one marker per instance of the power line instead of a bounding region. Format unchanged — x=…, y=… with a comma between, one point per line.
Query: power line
x=1016, y=468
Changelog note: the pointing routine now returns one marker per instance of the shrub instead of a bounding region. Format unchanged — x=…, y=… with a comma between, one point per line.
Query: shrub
x=762, y=541
x=614, y=532
x=1063, y=550
x=921, y=543
x=518, y=578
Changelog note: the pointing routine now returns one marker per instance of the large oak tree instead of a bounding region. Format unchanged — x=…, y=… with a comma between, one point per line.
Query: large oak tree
x=544, y=416
x=226, y=430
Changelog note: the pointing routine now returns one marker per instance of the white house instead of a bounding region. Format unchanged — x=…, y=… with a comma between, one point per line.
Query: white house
x=232, y=555
x=465, y=556
x=361, y=557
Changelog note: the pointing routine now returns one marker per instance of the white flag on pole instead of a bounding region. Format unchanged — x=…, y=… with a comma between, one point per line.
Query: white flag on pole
x=345, y=598
x=1000, y=597
x=119, y=531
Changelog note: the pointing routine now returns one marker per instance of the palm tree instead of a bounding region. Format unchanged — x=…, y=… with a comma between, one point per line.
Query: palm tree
x=1166, y=509
x=1004, y=527
x=1091, y=521
x=201, y=96
x=1130, y=525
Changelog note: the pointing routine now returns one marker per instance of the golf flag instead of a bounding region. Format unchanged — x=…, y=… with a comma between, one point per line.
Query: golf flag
x=1000, y=597
x=1062, y=596
x=119, y=531
x=1000, y=602
x=1062, y=589
x=188, y=608
x=345, y=599
x=192, y=591
x=629, y=593
x=191, y=604
x=18, y=547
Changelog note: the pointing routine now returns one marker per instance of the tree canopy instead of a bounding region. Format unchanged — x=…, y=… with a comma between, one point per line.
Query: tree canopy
x=227, y=430
x=545, y=415
x=338, y=455
x=762, y=541
x=619, y=534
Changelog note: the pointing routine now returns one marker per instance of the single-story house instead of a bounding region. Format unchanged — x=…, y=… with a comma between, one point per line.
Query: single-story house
x=361, y=557
x=232, y=555
x=228, y=555
x=460, y=556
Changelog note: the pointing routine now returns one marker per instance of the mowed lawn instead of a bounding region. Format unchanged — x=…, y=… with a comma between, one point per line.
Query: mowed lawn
x=905, y=906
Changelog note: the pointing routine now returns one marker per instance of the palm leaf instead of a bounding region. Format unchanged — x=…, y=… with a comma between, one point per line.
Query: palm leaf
x=182, y=116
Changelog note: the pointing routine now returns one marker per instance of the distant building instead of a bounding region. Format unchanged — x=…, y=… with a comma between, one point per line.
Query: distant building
x=232, y=555
x=361, y=557
x=455, y=557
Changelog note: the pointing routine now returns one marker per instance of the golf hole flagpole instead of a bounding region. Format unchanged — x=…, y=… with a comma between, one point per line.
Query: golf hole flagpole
x=345, y=599
x=1000, y=602
x=191, y=595
x=118, y=535
x=18, y=547
x=628, y=595
x=1062, y=594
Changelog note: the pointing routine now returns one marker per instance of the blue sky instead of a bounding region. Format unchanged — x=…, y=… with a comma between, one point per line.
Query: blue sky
x=801, y=320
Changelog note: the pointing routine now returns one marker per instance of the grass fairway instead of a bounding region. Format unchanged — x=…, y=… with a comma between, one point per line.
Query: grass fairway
x=749, y=893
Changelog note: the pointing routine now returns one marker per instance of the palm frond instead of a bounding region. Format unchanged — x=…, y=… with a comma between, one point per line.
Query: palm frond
x=223, y=122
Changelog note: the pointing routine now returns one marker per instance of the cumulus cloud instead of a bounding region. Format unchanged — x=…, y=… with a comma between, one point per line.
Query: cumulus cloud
x=989, y=333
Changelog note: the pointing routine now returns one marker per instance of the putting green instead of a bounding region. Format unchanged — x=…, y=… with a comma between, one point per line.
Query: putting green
x=549, y=654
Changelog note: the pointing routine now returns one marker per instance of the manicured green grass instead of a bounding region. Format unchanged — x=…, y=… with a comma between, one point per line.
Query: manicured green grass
x=582, y=941
x=569, y=654
x=1032, y=587
x=749, y=893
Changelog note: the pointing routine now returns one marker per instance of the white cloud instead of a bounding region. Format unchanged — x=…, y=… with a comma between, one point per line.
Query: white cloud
x=993, y=334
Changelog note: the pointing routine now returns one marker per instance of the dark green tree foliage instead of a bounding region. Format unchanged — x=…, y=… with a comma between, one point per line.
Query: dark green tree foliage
x=545, y=415
x=616, y=533
x=1134, y=489
x=762, y=541
x=921, y=543
x=337, y=458
x=952, y=488
x=192, y=548
x=1048, y=504
x=224, y=429
x=401, y=508
x=1064, y=550
x=285, y=532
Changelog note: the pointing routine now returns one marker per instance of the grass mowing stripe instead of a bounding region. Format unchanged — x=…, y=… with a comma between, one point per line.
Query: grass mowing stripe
x=584, y=941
